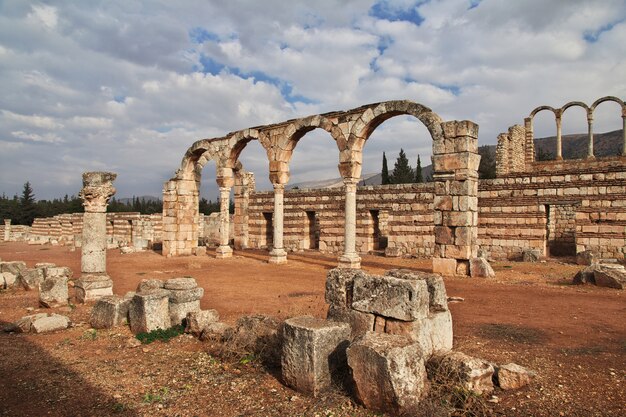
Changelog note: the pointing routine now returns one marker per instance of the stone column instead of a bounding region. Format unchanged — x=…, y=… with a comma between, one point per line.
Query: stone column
x=530, y=141
x=624, y=131
x=7, y=230
x=590, y=133
x=455, y=173
x=278, y=254
x=559, y=146
x=94, y=281
x=350, y=259
x=224, y=250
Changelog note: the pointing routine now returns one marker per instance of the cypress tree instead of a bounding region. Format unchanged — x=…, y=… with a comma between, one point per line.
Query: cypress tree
x=385, y=171
x=27, y=206
x=418, y=171
x=402, y=172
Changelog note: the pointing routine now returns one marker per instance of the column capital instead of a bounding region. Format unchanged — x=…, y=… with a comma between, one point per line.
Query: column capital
x=278, y=187
x=97, y=190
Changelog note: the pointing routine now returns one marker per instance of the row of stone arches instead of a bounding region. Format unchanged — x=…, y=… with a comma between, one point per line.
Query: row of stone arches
x=558, y=115
x=350, y=131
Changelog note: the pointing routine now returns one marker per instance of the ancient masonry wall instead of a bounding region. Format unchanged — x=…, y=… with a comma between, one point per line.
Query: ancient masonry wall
x=389, y=216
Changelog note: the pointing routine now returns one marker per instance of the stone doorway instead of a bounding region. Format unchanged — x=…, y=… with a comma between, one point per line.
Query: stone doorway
x=312, y=231
x=561, y=229
x=268, y=229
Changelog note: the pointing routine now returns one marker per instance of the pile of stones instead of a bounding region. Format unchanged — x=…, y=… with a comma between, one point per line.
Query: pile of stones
x=611, y=275
x=386, y=337
x=155, y=305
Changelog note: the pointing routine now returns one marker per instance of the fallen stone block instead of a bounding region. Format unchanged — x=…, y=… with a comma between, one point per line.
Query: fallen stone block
x=92, y=287
x=53, y=292
x=388, y=372
x=586, y=257
x=585, y=276
x=401, y=299
x=149, y=310
x=339, y=285
x=214, y=332
x=150, y=284
x=7, y=279
x=41, y=323
x=610, y=276
x=184, y=283
x=358, y=321
x=531, y=255
x=513, y=376
x=480, y=268
x=44, y=265
x=436, y=286
x=183, y=301
x=434, y=333
x=186, y=296
x=460, y=369
x=109, y=312
x=57, y=271
x=31, y=278
x=125, y=250
x=14, y=267
x=196, y=321
x=314, y=354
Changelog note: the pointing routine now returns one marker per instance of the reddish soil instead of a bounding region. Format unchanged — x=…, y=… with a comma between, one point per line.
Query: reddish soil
x=574, y=337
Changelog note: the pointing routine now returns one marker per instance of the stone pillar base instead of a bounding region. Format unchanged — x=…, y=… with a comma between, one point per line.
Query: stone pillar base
x=444, y=266
x=351, y=261
x=277, y=256
x=92, y=288
x=223, y=252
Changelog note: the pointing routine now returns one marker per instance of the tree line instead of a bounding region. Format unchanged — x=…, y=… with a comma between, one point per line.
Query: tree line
x=25, y=208
x=403, y=173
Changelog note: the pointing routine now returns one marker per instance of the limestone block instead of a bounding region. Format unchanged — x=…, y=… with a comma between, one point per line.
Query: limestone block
x=7, y=279
x=41, y=323
x=586, y=257
x=401, y=299
x=92, y=287
x=14, y=267
x=611, y=277
x=53, y=291
x=388, y=372
x=185, y=283
x=438, y=299
x=585, y=276
x=531, y=255
x=110, y=311
x=480, y=268
x=186, y=296
x=339, y=285
x=472, y=373
x=31, y=278
x=149, y=311
x=358, y=321
x=44, y=265
x=444, y=266
x=178, y=311
x=149, y=284
x=513, y=376
x=443, y=235
x=313, y=353
x=197, y=321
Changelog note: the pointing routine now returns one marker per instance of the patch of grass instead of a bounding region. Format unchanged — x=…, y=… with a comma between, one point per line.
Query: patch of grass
x=156, y=397
x=163, y=335
x=583, y=350
x=90, y=334
x=512, y=333
x=119, y=408
x=247, y=358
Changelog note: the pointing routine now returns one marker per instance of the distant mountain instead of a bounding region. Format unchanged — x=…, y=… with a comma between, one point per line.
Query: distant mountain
x=147, y=198
x=575, y=146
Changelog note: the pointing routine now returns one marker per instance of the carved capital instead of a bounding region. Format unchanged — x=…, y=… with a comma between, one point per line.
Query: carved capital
x=97, y=190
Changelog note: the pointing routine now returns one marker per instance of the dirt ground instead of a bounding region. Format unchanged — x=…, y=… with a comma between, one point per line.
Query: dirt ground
x=574, y=337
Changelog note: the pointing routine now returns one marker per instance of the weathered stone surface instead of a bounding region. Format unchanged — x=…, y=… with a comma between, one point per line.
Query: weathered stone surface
x=92, y=287
x=586, y=257
x=314, y=353
x=434, y=334
x=611, y=277
x=401, y=299
x=53, y=291
x=215, y=331
x=30, y=278
x=392, y=252
x=14, y=267
x=41, y=323
x=436, y=287
x=531, y=255
x=150, y=284
x=257, y=334
x=185, y=283
x=44, y=265
x=458, y=368
x=513, y=376
x=444, y=266
x=7, y=279
x=186, y=296
x=585, y=276
x=178, y=311
x=480, y=268
x=339, y=286
x=358, y=321
x=57, y=271
x=110, y=311
x=149, y=311
x=196, y=321
x=388, y=372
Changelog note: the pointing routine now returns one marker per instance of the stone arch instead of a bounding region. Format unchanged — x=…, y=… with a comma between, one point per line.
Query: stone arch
x=609, y=98
x=575, y=104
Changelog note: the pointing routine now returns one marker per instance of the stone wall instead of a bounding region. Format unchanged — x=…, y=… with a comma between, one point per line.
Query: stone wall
x=388, y=216
x=17, y=232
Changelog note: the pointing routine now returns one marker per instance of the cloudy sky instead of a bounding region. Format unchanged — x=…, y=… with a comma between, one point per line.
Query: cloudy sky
x=127, y=86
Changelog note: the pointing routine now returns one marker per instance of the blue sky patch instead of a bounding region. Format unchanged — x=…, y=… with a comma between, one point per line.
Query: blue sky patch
x=593, y=36
x=385, y=10
x=473, y=4
x=209, y=65
x=200, y=35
